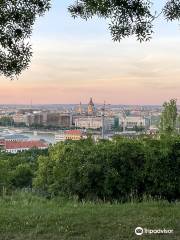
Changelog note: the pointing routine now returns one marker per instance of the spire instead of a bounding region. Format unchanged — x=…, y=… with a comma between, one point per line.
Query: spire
x=79, y=110
x=91, y=102
x=91, y=107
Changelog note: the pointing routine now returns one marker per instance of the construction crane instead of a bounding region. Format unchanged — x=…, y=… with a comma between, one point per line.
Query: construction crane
x=102, y=116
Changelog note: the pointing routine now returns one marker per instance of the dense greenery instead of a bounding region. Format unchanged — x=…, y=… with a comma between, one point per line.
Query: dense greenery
x=17, y=170
x=168, y=121
x=121, y=169
x=107, y=172
x=26, y=216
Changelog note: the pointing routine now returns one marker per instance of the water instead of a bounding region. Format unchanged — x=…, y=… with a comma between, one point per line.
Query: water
x=48, y=137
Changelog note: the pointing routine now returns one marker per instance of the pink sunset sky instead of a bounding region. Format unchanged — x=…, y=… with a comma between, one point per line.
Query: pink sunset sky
x=74, y=60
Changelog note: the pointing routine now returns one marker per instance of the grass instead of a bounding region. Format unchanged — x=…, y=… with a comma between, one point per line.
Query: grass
x=24, y=216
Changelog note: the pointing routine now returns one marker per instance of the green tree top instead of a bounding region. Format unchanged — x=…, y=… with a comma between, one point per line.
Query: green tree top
x=169, y=117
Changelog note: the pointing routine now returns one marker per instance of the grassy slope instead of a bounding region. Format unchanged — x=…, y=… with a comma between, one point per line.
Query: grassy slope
x=27, y=217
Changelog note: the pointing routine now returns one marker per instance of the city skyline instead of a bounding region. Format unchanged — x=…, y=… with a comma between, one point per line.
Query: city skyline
x=75, y=59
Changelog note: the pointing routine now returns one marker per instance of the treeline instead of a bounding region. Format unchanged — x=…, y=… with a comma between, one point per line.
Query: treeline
x=121, y=169
x=18, y=170
x=6, y=121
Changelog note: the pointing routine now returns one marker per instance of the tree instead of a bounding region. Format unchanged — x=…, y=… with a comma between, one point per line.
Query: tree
x=22, y=176
x=178, y=123
x=4, y=176
x=127, y=17
x=17, y=18
x=6, y=121
x=168, y=117
x=162, y=167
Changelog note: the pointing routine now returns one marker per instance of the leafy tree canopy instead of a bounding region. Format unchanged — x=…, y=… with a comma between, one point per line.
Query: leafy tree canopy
x=169, y=117
x=16, y=21
x=127, y=17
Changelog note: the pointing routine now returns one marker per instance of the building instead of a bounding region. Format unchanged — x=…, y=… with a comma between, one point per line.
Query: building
x=20, y=146
x=79, y=109
x=88, y=122
x=92, y=122
x=19, y=118
x=130, y=122
x=16, y=138
x=36, y=118
x=153, y=130
x=73, y=135
x=29, y=119
x=60, y=137
x=53, y=119
x=91, y=108
x=109, y=123
x=2, y=143
x=128, y=134
x=57, y=119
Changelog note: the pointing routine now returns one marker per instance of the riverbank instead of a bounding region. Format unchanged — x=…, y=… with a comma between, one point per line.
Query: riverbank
x=25, y=216
x=48, y=136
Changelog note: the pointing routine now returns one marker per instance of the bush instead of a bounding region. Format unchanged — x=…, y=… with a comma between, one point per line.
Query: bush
x=17, y=170
x=122, y=169
x=112, y=170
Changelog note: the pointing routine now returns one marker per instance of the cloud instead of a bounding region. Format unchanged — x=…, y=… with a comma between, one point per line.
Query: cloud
x=66, y=71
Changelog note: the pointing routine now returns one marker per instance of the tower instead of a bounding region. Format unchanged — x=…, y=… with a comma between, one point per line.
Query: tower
x=79, y=109
x=102, y=117
x=91, y=107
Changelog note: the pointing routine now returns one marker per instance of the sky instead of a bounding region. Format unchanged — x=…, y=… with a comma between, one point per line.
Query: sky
x=74, y=60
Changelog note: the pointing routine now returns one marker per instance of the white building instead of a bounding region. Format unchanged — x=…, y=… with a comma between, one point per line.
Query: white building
x=15, y=147
x=92, y=122
x=16, y=138
x=19, y=118
x=133, y=121
x=60, y=137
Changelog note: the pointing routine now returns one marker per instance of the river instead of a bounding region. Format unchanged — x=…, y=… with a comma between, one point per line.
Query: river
x=33, y=135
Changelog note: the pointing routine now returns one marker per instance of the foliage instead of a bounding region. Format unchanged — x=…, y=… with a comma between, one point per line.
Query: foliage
x=17, y=170
x=16, y=21
x=139, y=128
x=19, y=125
x=22, y=176
x=162, y=168
x=126, y=17
x=168, y=117
x=121, y=169
x=6, y=121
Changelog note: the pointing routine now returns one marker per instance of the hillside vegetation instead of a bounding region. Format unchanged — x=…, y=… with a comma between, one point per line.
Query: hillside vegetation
x=121, y=170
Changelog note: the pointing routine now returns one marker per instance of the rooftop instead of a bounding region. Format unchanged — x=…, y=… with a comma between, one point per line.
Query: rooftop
x=24, y=144
x=16, y=136
x=73, y=132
